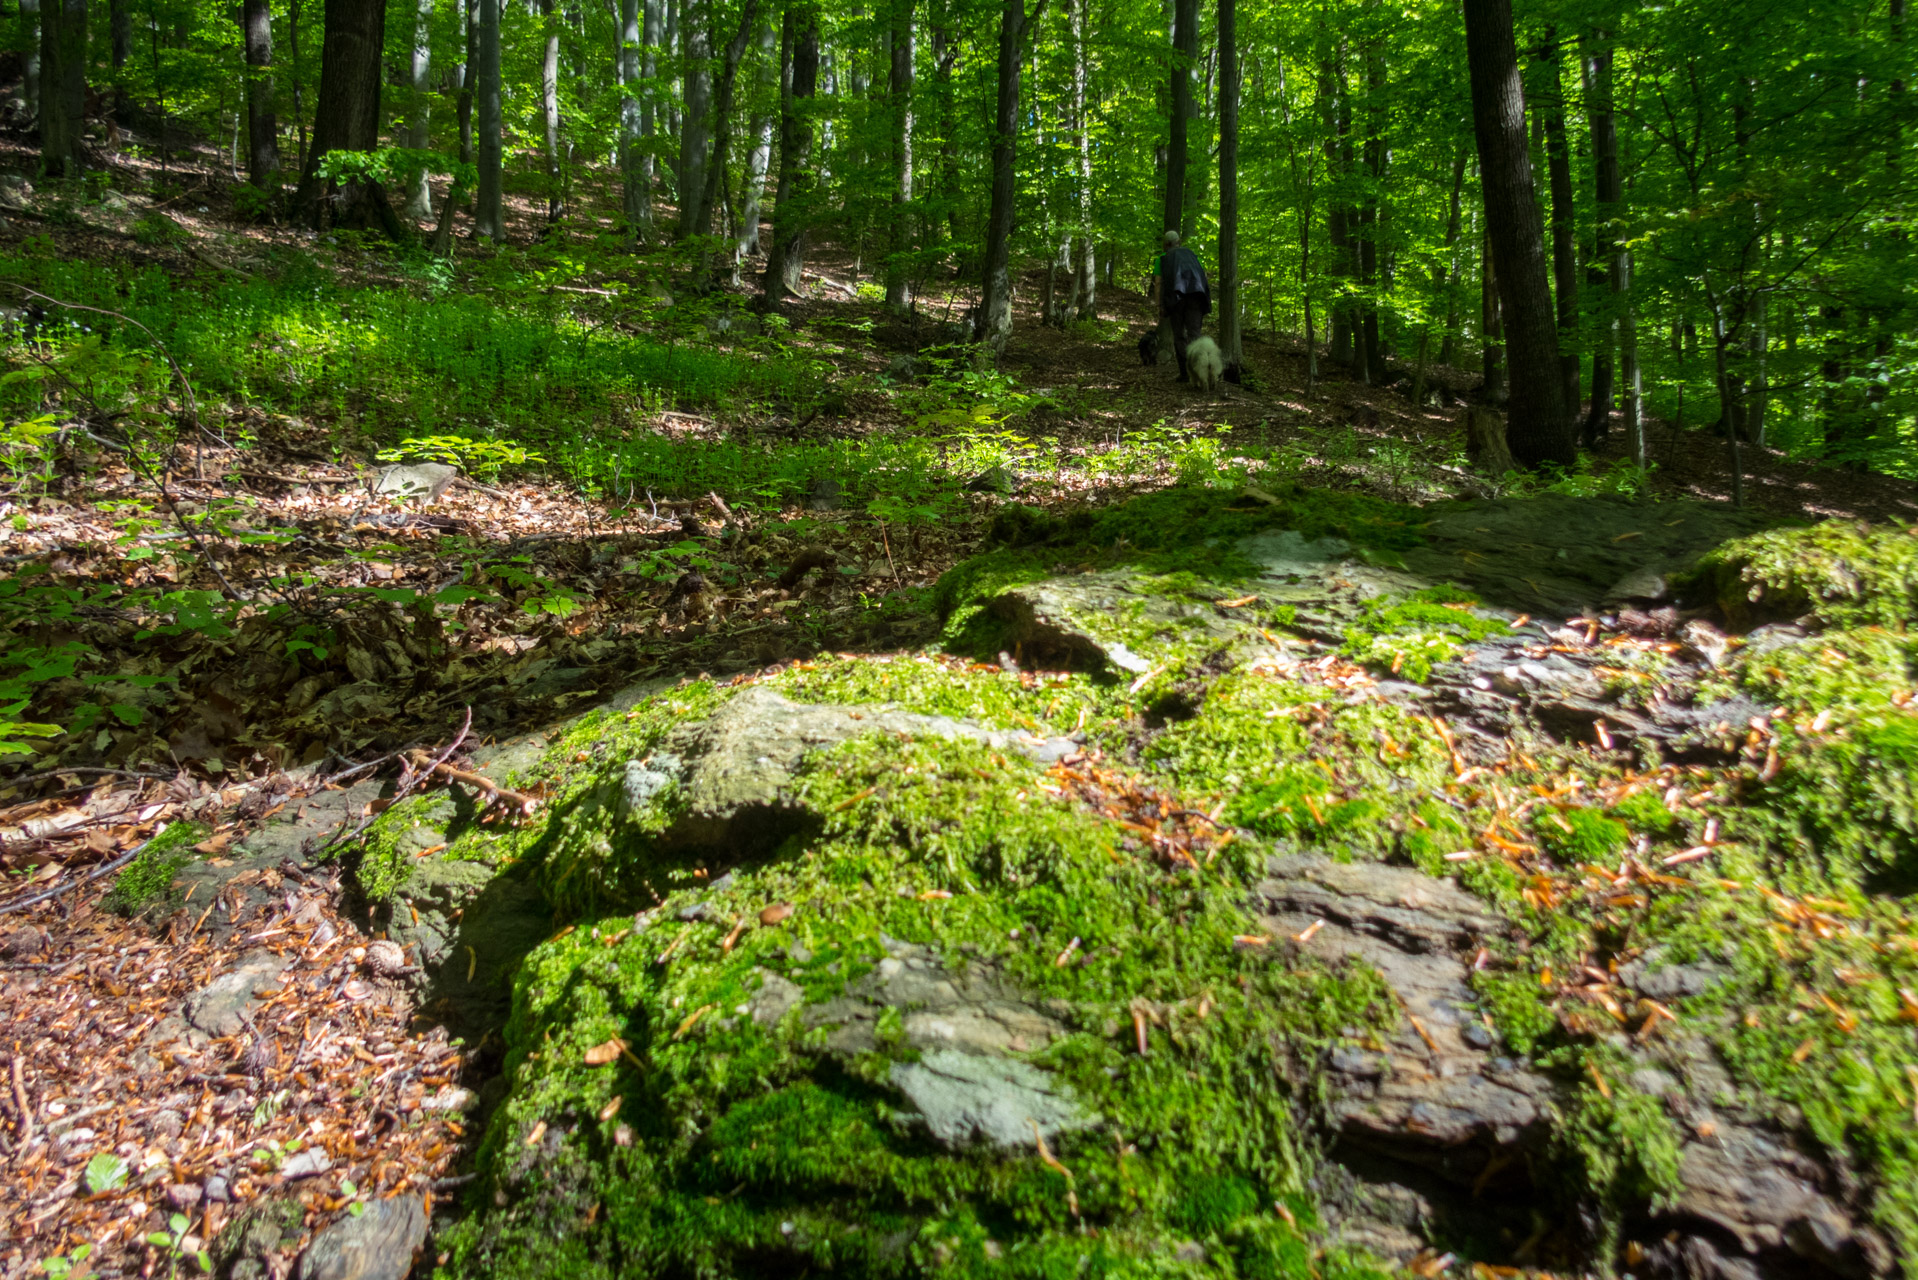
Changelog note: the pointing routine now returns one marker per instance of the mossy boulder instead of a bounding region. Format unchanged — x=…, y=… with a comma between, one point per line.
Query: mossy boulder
x=909, y=1035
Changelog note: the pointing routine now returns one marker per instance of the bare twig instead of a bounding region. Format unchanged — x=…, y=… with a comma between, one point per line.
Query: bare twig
x=105, y=868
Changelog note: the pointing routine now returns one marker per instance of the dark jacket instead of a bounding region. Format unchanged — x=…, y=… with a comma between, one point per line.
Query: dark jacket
x=1181, y=276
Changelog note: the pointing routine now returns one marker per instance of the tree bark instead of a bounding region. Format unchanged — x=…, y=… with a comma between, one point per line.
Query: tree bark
x=1491, y=329
x=1538, y=427
x=347, y=116
x=1371, y=278
x=1085, y=288
x=792, y=202
x=1558, y=163
x=63, y=87
x=1608, y=189
x=419, y=200
x=1231, y=340
x=899, y=91
x=489, y=218
x=1334, y=117
x=695, y=139
x=262, y=124
x=995, y=308
x=722, y=127
x=549, y=111
x=746, y=236
x=29, y=45
x=120, y=31
x=469, y=75
x=633, y=119
x=1185, y=58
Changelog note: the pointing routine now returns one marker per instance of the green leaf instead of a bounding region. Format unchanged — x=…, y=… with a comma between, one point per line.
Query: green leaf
x=105, y=1172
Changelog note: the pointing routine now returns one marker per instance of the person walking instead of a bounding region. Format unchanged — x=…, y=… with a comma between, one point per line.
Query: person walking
x=1185, y=296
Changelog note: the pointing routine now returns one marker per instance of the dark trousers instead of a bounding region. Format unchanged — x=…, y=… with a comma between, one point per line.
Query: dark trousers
x=1187, y=313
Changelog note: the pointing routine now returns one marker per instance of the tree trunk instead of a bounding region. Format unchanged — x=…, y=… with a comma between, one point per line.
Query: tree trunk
x=746, y=240
x=1538, y=428
x=1085, y=288
x=1444, y=277
x=995, y=309
x=347, y=116
x=1371, y=278
x=899, y=90
x=722, y=129
x=695, y=138
x=1558, y=163
x=120, y=32
x=1185, y=58
x=63, y=87
x=1610, y=193
x=262, y=127
x=1231, y=340
x=792, y=202
x=549, y=112
x=1334, y=115
x=469, y=77
x=633, y=119
x=29, y=44
x=489, y=220
x=945, y=54
x=1491, y=330
x=419, y=197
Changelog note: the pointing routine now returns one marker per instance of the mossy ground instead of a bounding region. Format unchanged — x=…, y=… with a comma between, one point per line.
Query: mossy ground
x=708, y=1144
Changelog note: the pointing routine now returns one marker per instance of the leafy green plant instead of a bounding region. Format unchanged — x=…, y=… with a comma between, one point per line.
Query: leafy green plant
x=68, y=1266
x=154, y=229
x=105, y=1172
x=171, y=1244
x=481, y=457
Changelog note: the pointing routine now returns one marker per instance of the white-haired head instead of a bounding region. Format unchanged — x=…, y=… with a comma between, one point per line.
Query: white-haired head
x=1171, y=239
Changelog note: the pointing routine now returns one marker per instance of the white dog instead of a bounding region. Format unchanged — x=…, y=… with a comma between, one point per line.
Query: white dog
x=1205, y=364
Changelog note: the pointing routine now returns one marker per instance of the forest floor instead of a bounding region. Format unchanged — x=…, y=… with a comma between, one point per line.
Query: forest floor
x=256, y=642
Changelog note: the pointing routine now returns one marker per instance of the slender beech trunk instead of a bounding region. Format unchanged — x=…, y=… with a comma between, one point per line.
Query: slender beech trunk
x=63, y=87
x=899, y=93
x=419, y=199
x=1491, y=329
x=1609, y=192
x=792, y=202
x=1558, y=163
x=945, y=56
x=29, y=46
x=1231, y=340
x=549, y=112
x=759, y=162
x=633, y=119
x=722, y=128
x=489, y=221
x=995, y=308
x=1085, y=256
x=1185, y=59
x=1444, y=276
x=120, y=32
x=1538, y=426
x=1335, y=117
x=262, y=127
x=469, y=73
x=695, y=137
x=1371, y=276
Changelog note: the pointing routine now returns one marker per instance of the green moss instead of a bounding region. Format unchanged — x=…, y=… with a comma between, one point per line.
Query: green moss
x=1839, y=573
x=1575, y=836
x=754, y=1149
x=149, y=877
x=1412, y=635
x=1644, y=813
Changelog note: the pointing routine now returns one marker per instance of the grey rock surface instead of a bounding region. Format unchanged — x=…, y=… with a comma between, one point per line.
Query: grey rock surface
x=221, y=1007
x=376, y=1245
x=967, y=1099
x=423, y=480
x=739, y=764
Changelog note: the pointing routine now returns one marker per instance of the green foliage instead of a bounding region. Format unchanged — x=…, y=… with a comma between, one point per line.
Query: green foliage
x=481, y=457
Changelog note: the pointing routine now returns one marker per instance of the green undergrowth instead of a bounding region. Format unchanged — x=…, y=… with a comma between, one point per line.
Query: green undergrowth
x=399, y=361
x=744, y=1145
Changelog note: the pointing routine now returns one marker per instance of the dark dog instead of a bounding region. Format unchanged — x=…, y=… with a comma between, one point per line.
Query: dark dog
x=1149, y=348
